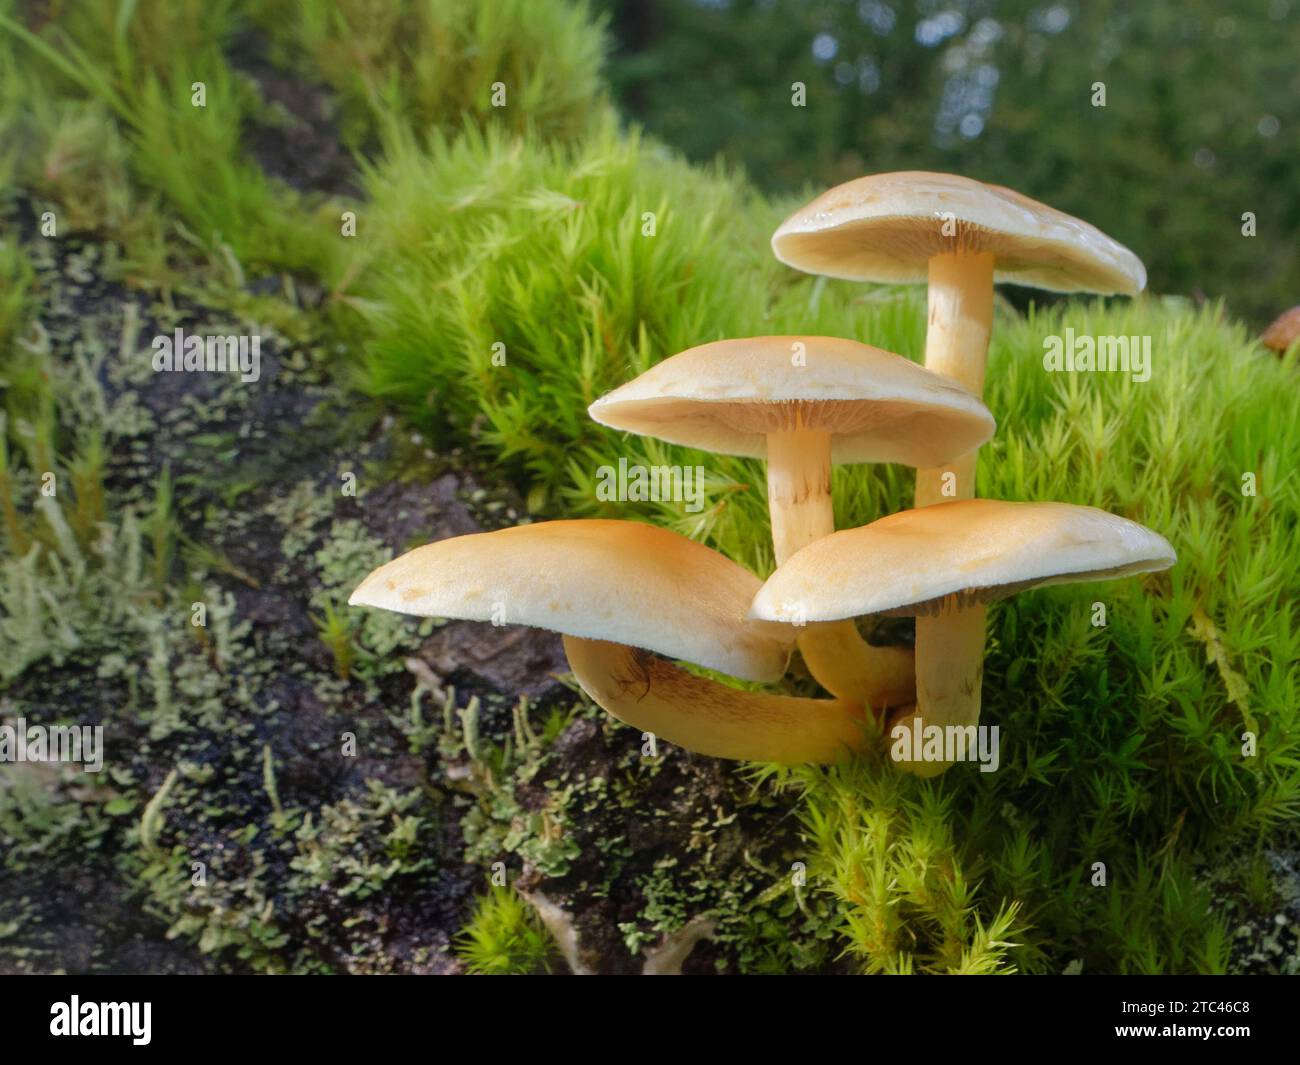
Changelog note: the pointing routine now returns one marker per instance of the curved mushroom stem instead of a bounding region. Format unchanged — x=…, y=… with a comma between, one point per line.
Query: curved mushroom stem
x=849, y=667
x=949, y=679
x=654, y=695
x=799, y=499
x=950, y=645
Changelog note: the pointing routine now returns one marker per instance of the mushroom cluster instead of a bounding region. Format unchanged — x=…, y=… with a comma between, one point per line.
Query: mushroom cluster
x=632, y=599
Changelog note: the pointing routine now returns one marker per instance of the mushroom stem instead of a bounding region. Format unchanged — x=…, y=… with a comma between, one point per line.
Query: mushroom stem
x=655, y=695
x=799, y=499
x=950, y=644
x=949, y=677
x=846, y=665
x=957, y=346
x=799, y=489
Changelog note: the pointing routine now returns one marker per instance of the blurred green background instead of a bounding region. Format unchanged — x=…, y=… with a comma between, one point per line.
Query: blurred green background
x=1201, y=122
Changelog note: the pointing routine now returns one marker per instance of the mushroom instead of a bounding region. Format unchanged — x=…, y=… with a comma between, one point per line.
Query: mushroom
x=963, y=554
x=1283, y=332
x=961, y=235
x=617, y=591
x=803, y=403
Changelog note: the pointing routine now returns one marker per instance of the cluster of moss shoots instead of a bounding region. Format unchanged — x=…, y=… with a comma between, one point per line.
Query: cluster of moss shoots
x=631, y=598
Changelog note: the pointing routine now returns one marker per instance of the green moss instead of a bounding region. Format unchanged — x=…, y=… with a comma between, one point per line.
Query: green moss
x=80, y=91
x=439, y=63
x=15, y=279
x=504, y=937
x=355, y=847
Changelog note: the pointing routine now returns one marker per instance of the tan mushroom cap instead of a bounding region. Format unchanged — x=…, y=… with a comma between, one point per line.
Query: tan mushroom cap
x=727, y=396
x=959, y=553
x=619, y=581
x=887, y=227
x=1283, y=331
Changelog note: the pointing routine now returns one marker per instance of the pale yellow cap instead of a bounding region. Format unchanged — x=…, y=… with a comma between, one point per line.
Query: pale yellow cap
x=620, y=581
x=727, y=396
x=887, y=227
x=971, y=551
